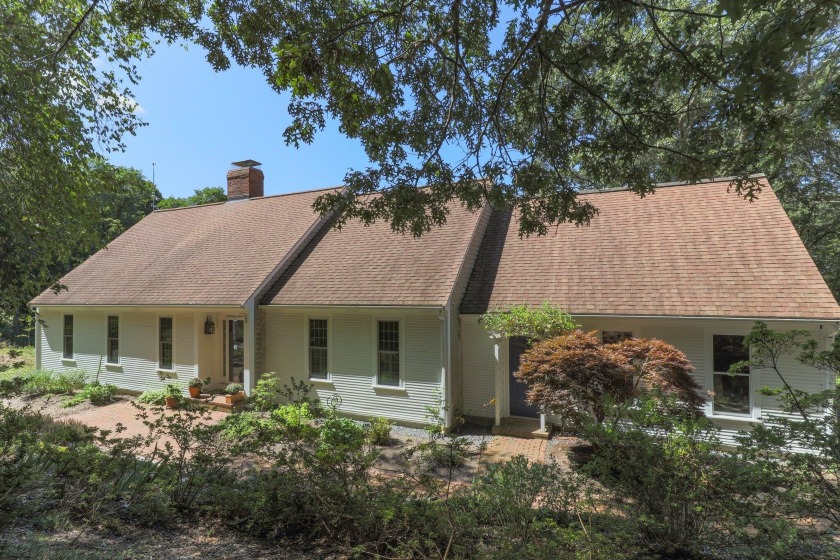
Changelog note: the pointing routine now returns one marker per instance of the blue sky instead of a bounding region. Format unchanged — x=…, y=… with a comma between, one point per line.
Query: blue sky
x=199, y=121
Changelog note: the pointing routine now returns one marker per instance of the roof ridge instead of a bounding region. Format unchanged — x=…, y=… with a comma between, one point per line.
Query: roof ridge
x=698, y=182
x=278, y=195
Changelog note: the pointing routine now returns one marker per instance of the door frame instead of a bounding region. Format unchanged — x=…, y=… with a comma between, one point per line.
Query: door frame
x=226, y=351
x=512, y=380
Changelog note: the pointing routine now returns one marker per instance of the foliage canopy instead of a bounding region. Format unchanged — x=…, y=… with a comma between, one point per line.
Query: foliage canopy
x=576, y=375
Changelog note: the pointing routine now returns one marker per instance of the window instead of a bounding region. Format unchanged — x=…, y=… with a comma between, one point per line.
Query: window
x=731, y=392
x=113, y=345
x=611, y=337
x=318, y=366
x=389, y=353
x=165, y=341
x=68, y=337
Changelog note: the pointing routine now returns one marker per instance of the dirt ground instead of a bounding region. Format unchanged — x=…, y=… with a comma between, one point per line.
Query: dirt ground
x=178, y=542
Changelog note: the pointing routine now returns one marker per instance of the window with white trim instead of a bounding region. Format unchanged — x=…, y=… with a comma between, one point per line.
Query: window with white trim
x=165, y=342
x=112, y=355
x=732, y=395
x=67, y=350
x=388, y=335
x=318, y=353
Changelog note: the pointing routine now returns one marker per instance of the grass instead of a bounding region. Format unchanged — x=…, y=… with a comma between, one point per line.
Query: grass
x=27, y=355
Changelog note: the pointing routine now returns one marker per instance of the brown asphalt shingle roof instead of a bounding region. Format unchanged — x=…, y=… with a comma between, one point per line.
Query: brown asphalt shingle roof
x=692, y=250
x=217, y=254
x=372, y=265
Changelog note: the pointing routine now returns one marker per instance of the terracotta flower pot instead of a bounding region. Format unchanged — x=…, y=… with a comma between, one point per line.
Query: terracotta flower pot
x=172, y=402
x=230, y=399
x=195, y=392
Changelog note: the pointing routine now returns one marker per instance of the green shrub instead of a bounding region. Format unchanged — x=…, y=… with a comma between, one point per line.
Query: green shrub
x=293, y=414
x=44, y=382
x=152, y=396
x=446, y=453
x=341, y=433
x=681, y=491
x=233, y=388
x=95, y=393
x=266, y=393
x=379, y=431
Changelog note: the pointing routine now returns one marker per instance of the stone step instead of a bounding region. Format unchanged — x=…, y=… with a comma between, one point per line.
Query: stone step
x=522, y=428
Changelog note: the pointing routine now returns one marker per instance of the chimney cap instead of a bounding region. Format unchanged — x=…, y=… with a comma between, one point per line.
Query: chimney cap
x=246, y=163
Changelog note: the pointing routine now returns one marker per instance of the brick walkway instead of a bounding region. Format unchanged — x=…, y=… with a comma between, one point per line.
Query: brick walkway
x=107, y=417
x=504, y=448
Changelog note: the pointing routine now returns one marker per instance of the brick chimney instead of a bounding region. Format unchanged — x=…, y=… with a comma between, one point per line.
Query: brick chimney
x=245, y=180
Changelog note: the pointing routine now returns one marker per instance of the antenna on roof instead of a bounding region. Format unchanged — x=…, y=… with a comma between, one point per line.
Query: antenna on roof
x=154, y=188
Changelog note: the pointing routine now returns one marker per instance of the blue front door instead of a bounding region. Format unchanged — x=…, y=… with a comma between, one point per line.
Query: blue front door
x=518, y=405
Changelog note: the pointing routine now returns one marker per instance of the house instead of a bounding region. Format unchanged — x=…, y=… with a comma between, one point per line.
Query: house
x=384, y=324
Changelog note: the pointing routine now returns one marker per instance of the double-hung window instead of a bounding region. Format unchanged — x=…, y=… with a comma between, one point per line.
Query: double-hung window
x=113, y=344
x=388, y=335
x=67, y=353
x=732, y=395
x=165, y=340
x=318, y=354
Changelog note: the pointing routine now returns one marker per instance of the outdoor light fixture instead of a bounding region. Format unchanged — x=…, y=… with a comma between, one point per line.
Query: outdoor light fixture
x=209, y=326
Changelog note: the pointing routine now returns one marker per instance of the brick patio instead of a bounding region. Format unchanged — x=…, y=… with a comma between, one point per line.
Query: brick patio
x=504, y=448
x=123, y=412
x=499, y=449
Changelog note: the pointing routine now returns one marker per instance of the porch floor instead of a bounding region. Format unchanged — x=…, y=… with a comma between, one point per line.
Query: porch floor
x=528, y=428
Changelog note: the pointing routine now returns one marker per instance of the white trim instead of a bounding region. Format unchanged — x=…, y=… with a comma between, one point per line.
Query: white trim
x=701, y=317
x=38, y=346
x=72, y=357
x=158, y=367
x=108, y=338
x=401, y=341
x=709, y=377
x=306, y=357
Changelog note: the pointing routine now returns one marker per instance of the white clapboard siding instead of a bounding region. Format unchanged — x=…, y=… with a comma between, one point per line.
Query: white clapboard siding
x=137, y=370
x=692, y=336
x=479, y=367
x=352, y=360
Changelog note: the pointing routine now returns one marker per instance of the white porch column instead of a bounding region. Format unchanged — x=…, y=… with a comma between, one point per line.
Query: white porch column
x=500, y=351
x=249, y=373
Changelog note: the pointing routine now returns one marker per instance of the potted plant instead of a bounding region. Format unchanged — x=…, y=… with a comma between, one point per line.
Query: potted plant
x=233, y=393
x=196, y=385
x=172, y=395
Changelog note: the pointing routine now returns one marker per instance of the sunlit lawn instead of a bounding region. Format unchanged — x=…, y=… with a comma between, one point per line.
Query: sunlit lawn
x=27, y=355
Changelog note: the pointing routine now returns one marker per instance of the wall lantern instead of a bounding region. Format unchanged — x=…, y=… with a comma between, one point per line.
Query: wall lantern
x=209, y=326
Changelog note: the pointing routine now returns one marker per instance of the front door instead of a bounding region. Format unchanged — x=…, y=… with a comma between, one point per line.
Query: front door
x=518, y=405
x=234, y=350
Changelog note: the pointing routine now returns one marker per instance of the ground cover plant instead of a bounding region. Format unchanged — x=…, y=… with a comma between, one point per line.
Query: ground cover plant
x=291, y=469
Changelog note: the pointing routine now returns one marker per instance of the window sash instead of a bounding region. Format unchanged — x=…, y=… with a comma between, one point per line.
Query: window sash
x=388, y=353
x=318, y=349
x=113, y=343
x=165, y=342
x=732, y=392
x=67, y=349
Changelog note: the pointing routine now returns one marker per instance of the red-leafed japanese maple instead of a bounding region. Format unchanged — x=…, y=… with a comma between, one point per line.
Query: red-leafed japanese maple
x=661, y=368
x=575, y=374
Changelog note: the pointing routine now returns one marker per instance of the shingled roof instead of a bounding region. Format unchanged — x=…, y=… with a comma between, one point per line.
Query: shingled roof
x=216, y=254
x=361, y=265
x=692, y=250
